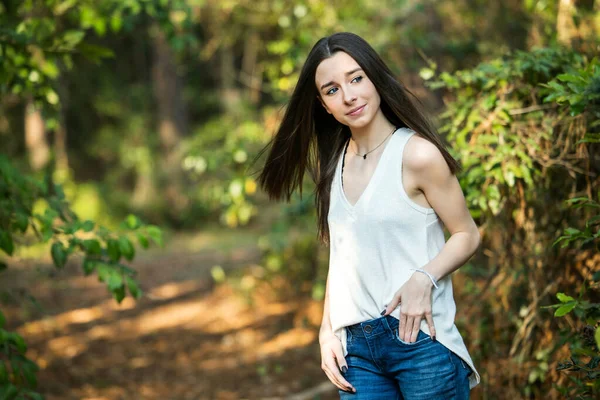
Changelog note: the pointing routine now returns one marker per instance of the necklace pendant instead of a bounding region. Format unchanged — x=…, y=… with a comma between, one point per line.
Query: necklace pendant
x=365, y=157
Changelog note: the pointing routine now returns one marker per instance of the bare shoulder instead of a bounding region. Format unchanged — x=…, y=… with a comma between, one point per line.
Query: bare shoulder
x=424, y=158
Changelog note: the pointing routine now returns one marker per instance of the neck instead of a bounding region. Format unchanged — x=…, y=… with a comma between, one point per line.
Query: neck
x=368, y=137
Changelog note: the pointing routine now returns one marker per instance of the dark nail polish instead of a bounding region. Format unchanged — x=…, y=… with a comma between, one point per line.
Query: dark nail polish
x=383, y=312
x=344, y=369
x=433, y=338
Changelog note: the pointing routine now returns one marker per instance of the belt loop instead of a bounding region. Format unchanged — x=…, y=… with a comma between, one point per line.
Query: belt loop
x=348, y=335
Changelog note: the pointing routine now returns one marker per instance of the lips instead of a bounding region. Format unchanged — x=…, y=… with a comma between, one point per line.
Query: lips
x=355, y=109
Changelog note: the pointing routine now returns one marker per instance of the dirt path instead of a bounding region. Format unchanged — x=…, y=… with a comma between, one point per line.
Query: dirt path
x=187, y=338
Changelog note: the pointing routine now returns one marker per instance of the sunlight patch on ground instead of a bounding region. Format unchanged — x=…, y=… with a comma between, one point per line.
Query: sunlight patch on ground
x=291, y=339
x=67, y=346
x=174, y=289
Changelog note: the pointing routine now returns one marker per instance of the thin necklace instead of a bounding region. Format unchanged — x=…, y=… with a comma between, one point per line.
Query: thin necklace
x=364, y=156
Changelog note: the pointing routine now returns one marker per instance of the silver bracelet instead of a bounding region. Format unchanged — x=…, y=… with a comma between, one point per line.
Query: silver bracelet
x=426, y=273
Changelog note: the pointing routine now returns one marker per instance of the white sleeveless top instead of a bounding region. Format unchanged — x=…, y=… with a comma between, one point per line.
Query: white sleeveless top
x=373, y=245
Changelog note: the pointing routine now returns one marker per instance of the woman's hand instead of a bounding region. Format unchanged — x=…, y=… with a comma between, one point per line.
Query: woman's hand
x=415, y=296
x=332, y=360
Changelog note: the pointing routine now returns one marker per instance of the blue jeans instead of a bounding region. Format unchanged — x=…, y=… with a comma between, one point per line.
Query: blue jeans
x=382, y=366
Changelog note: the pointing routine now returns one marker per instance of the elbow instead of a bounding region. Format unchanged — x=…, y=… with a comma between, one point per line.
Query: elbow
x=476, y=240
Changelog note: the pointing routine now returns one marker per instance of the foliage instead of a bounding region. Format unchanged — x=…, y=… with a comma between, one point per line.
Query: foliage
x=578, y=90
x=522, y=126
x=587, y=235
x=583, y=364
x=30, y=207
x=218, y=161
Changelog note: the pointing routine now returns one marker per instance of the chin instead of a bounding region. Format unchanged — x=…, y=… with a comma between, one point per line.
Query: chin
x=360, y=123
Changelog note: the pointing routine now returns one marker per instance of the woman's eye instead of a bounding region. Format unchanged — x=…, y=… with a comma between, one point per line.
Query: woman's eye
x=357, y=79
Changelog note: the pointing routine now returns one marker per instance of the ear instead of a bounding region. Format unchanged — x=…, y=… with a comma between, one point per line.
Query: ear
x=323, y=104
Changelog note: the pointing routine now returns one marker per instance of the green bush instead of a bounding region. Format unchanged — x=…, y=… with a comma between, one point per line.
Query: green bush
x=36, y=211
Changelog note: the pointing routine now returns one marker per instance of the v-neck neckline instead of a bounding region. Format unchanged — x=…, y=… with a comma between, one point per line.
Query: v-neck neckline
x=370, y=183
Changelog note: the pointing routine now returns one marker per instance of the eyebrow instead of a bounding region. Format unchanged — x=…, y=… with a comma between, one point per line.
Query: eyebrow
x=347, y=73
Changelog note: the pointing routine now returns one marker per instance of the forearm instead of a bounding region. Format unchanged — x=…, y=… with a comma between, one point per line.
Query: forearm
x=325, y=330
x=456, y=252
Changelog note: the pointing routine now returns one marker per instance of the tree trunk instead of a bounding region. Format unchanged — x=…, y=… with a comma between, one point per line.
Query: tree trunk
x=251, y=74
x=60, y=134
x=35, y=137
x=172, y=121
x=566, y=30
x=230, y=95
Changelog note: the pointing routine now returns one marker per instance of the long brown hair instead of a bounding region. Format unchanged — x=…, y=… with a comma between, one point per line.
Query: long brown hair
x=309, y=137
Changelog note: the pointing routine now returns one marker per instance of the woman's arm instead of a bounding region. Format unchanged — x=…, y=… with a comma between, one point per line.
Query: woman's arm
x=332, y=357
x=325, y=332
x=430, y=174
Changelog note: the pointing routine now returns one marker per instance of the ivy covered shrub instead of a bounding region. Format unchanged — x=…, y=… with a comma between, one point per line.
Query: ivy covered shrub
x=526, y=128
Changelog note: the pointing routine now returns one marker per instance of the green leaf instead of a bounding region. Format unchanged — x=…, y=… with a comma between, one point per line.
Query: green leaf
x=89, y=265
x=92, y=246
x=116, y=22
x=568, y=78
x=155, y=234
x=564, y=309
x=88, y=226
x=132, y=221
x=34, y=395
x=29, y=370
x=143, y=240
x=133, y=287
x=426, y=73
x=564, y=298
x=95, y=53
x=22, y=221
x=59, y=254
x=6, y=242
x=72, y=38
x=104, y=271
x=8, y=391
x=115, y=280
x=119, y=293
x=72, y=227
x=127, y=249
x=597, y=337
x=18, y=342
x=3, y=373
x=114, y=250
x=2, y=320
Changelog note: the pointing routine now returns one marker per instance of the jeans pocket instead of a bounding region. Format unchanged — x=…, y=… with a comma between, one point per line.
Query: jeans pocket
x=465, y=366
x=462, y=363
x=422, y=337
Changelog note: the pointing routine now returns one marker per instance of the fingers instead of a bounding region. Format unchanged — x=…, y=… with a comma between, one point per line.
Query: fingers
x=409, y=326
x=429, y=319
x=330, y=366
x=402, y=325
x=393, y=304
x=415, y=329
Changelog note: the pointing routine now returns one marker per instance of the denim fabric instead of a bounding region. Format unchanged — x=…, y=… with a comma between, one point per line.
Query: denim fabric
x=382, y=366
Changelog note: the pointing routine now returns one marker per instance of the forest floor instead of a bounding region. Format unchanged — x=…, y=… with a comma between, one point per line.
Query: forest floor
x=186, y=338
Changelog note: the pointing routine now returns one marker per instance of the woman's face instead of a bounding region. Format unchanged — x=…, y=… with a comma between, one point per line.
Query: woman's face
x=345, y=91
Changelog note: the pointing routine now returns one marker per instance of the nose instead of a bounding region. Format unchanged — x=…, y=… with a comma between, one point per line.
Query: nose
x=349, y=96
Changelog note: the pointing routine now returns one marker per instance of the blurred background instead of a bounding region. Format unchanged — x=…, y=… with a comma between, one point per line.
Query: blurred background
x=139, y=260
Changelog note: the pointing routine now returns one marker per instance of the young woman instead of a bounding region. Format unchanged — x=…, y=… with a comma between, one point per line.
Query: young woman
x=385, y=188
